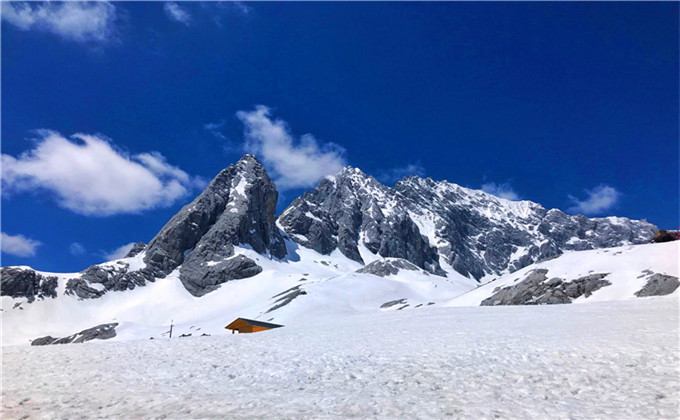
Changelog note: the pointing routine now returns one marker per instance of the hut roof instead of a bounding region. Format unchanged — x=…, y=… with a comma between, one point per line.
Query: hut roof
x=254, y=322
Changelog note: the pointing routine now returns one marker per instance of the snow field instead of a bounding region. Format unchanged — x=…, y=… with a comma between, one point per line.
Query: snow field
x=626, y=266
x=614, y=360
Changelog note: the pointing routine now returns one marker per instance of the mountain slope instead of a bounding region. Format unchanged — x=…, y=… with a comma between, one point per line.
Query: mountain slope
x=305, y=285
x=309, y=286
x=440, y=226
x=626, y=271
x=237, y=208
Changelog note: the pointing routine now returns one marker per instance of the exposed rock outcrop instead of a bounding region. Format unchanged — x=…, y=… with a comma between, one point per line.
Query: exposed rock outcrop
x=19, y=282
x=286, y=297
x=388, y=267
x=136, y=249
x=100, y=332
x=394, y=303
x=535, y=290
x=96, y=280
x=659, y=285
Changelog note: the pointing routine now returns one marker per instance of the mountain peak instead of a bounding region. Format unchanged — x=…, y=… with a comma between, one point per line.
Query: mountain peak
x=238, y=207
x=248, y=157
x=352, y=172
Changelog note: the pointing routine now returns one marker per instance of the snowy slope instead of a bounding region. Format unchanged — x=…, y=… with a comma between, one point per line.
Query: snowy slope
x=332, y=290
x=606, y=360
x=332, y=286
x=628, y=267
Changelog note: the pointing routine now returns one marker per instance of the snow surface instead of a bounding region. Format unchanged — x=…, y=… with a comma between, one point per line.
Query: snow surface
x=613, y=360
x=332, y=289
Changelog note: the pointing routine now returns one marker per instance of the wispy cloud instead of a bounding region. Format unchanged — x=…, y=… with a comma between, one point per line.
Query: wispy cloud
x=88, y=175
x=390, y=176
x=76, y=249
x=216, y=129
x=241, y=7
x=177, y=13
x=503, y=190
x=294, y=163
x=19, y=245
x=84, y=22
x=119, y=252
x=598, y=200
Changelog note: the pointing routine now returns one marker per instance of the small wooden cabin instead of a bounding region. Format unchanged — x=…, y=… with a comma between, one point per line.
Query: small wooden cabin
x=243, y=325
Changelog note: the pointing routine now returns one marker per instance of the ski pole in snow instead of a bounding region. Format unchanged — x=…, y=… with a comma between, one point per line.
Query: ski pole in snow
x=170, y=329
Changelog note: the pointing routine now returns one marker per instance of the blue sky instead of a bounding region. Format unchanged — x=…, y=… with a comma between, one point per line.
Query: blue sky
x=114, y=115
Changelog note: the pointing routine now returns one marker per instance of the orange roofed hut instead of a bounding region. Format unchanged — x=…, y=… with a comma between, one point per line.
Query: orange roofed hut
x=243, y=325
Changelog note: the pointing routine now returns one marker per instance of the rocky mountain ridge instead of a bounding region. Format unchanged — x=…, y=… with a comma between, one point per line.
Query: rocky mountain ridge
x=438, y=227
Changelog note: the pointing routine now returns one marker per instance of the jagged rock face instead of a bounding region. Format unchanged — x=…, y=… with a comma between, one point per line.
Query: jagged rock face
x=352, y=210
x=237, y=207
x=20, y=282
x=96, y=280
x=434, y=224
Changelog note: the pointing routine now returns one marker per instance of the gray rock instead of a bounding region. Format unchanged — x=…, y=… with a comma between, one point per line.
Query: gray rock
x=659, y=285
x=521, y=293
x=136, y=249
x=534, y=290
x=286, y=297
x=100, y=332
x=20, y=282
x=393, y=303
x=97, y=280
x=387, y=267
x=82, y=289
x=207, y=278
x=44, y=341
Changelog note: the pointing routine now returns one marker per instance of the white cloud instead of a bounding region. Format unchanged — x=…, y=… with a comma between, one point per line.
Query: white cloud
x=74, y=21
x=599, y=199
x=88, y=176
x=177, y=13
x=19, y=245
x=395, y=174
x=503, y=190
x=294, y=164
x=119, y=252
x=76, y=249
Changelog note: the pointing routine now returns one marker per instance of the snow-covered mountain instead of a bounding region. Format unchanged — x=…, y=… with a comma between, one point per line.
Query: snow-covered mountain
x=350, y=246
x=440, y=226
